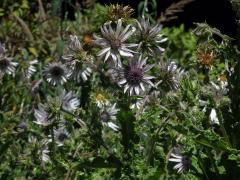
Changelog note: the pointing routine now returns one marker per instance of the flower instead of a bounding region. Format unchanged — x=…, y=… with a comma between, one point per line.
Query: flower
x=56, y=73
x=182, y=162
x=31, y=68
x=88, y=39
x=44, y=151
x=169, y=76
x=69, y=101
x=133, y=76
x=218, y=91
x=78, y=60
x=74, y=45
x=60, y=135
x=6, y=64
x=223, y=81
x=113, y=42
x=213, y=117
x=150, y=36
x=107, y=115
x=205, y=56
x=100, y=97
x=116, y=12
x=137, y=104
x=42, y=117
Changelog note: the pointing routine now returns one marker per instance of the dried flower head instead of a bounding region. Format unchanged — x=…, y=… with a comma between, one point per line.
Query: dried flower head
x=134, y=77
x=88, y=39
x=119, y=11
x=113, y=42
x=56, y=73
x=205, y=56
x=169, y=76
x=108, y=116
x=150, y=37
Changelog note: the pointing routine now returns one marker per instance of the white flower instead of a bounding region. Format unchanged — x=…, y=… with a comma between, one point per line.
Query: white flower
x=169, y=75
x=60, y=135
x=113, y=42
x=107, y=115
x=42, y=117
x=56, y=73
x=31, y=68
x=69, y=101
x=182, y=162
x=213, y=117
x=151, y=38
x=133, y=77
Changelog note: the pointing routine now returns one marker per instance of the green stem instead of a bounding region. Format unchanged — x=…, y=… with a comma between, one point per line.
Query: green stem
x=224, y=132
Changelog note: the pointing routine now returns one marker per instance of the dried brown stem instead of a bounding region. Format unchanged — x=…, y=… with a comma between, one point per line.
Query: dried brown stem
x=170, y=13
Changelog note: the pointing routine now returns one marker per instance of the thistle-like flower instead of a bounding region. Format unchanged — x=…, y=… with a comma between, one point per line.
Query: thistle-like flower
x=56, y=73
x=169, y=76
x=60, y=135
x=182, y=162
x=205, y=56
x=107, y=115
x=74, y=44
x=113, y=42
x=6, y=64
x=100, y=98
x=44, y=151
x=31, y=68
x=150, y=36
x=116, y=12
x=133, y=77
x=69, y=101
x=78, y=61
x=42, y=117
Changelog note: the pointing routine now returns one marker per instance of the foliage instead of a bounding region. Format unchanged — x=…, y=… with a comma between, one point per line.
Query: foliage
x=113, y=134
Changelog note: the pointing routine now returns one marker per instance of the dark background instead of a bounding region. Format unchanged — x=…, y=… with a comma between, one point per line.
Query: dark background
x=217, y=13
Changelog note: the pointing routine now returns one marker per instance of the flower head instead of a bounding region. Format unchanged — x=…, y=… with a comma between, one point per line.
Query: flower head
x=107, y=115
x=69, y=101
x=31, y=69
x=169, y=76
x=56, y=73
x=133, y=77
x=6, y=64
x=42, y=117
x=78, y=60
x=116, y=12
x=113, y=42
x=205, y=56
x=60, y=135
x=74, y=45
x=150, y=36
x=182, y=162
x=100, y=97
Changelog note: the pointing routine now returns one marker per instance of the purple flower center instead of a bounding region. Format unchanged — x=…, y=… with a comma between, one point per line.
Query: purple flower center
x=4, y=64
x=56, y=71
x=116, y=43
x=105, y=117
x=62, y=137
x=134, y=75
